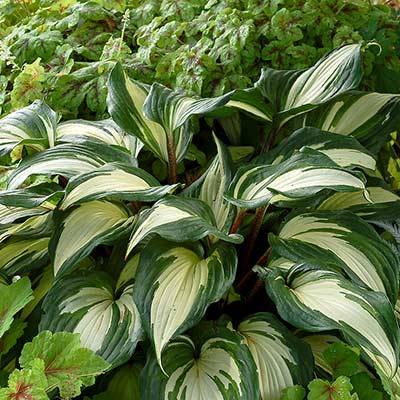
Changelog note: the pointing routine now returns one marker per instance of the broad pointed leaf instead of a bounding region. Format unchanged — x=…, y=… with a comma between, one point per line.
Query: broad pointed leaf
x=9, y=214
x=304, y=174
x=155, y=115
x=114, y=180
x=316, y=300
x=177, y=219
x=82, y=229
x=68, y=160
x=106, y=131
x=34, y=126
x=105, y=317
x=68, y=366
x=174, y=296
x=210, y=187
x=295, y=92
x=344, y=151
x=13, y=298
x=282, y=360
x=216, y=366
x=359, y=114
x=342, y=240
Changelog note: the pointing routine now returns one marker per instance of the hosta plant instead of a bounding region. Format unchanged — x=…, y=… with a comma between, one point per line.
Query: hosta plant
x=270, y=273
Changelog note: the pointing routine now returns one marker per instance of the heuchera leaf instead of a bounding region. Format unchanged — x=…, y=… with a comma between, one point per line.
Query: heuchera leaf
x=68, y=366
x=342, y=358
x=323, y=390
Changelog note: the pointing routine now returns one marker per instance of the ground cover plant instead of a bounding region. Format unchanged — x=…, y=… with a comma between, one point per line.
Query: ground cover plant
x=270, y=270
x=63, y=51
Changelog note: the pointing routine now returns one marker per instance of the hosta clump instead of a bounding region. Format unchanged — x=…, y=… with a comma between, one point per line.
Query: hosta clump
x=260, y=278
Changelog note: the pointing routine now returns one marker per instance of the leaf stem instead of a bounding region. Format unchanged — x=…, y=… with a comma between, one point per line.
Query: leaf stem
x=270, y=139
x=238, y=221
x=251, y=240
x=172, y=175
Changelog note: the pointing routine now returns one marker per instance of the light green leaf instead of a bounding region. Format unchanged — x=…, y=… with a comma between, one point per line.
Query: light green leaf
x=79, y=231
x=68, y=366
x=343, y=359
x=33, y=126
x=174, y=296
x=13, y=298
x=343, y=240
x=282, y=360
x=210, y=187
x=302, y=175
x=114, y=180
x=316, y=300
x=293, y=393
x=104, y=315
x=68, y=160
x=215, y=366
x=106, y=131
x=10, y=338
x=295, y=92
x=29, y=383
x=323, y=390
x=177, y=219
x=359, y=114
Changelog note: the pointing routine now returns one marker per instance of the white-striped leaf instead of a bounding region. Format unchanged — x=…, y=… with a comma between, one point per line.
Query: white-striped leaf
x=317, y=300
x=36, y=226
x=156, y=115
x=304, y=174
x=281, y=358
x=9, y=214
x=174, y=296
x=343, y=150
x=114, y=180
x=32, y=196
x=216, y=366
x=359, y=114
x=33, y=126
x=106, y=131
x=381, y=203
x=24, y=255
x=68, y=160
x=341, y=240
x=178, y=219
x=295, y=92
x=210, y=187
x=105, y=317
x=79, y=231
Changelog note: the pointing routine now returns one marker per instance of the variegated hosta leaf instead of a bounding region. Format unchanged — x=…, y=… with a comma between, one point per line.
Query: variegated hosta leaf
x=155, y=115
x=114, y=180
x=343, y=150
x=304, y=174
x=178, y=219
x=252, y=102
x=381, y=203
x=359, y=114
x=32, y=196
x=282, y=359
x=36, y=226
x=9, y=214
x=106, y=131
x=210, y=187
x=34, y=126
x=295, y=92
x=174, y=296
x=106, y=319
x=342, y=240
x=68, y=160
x=316, y=300
x=79, y=231
x=216, y=366
x=24, y=255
